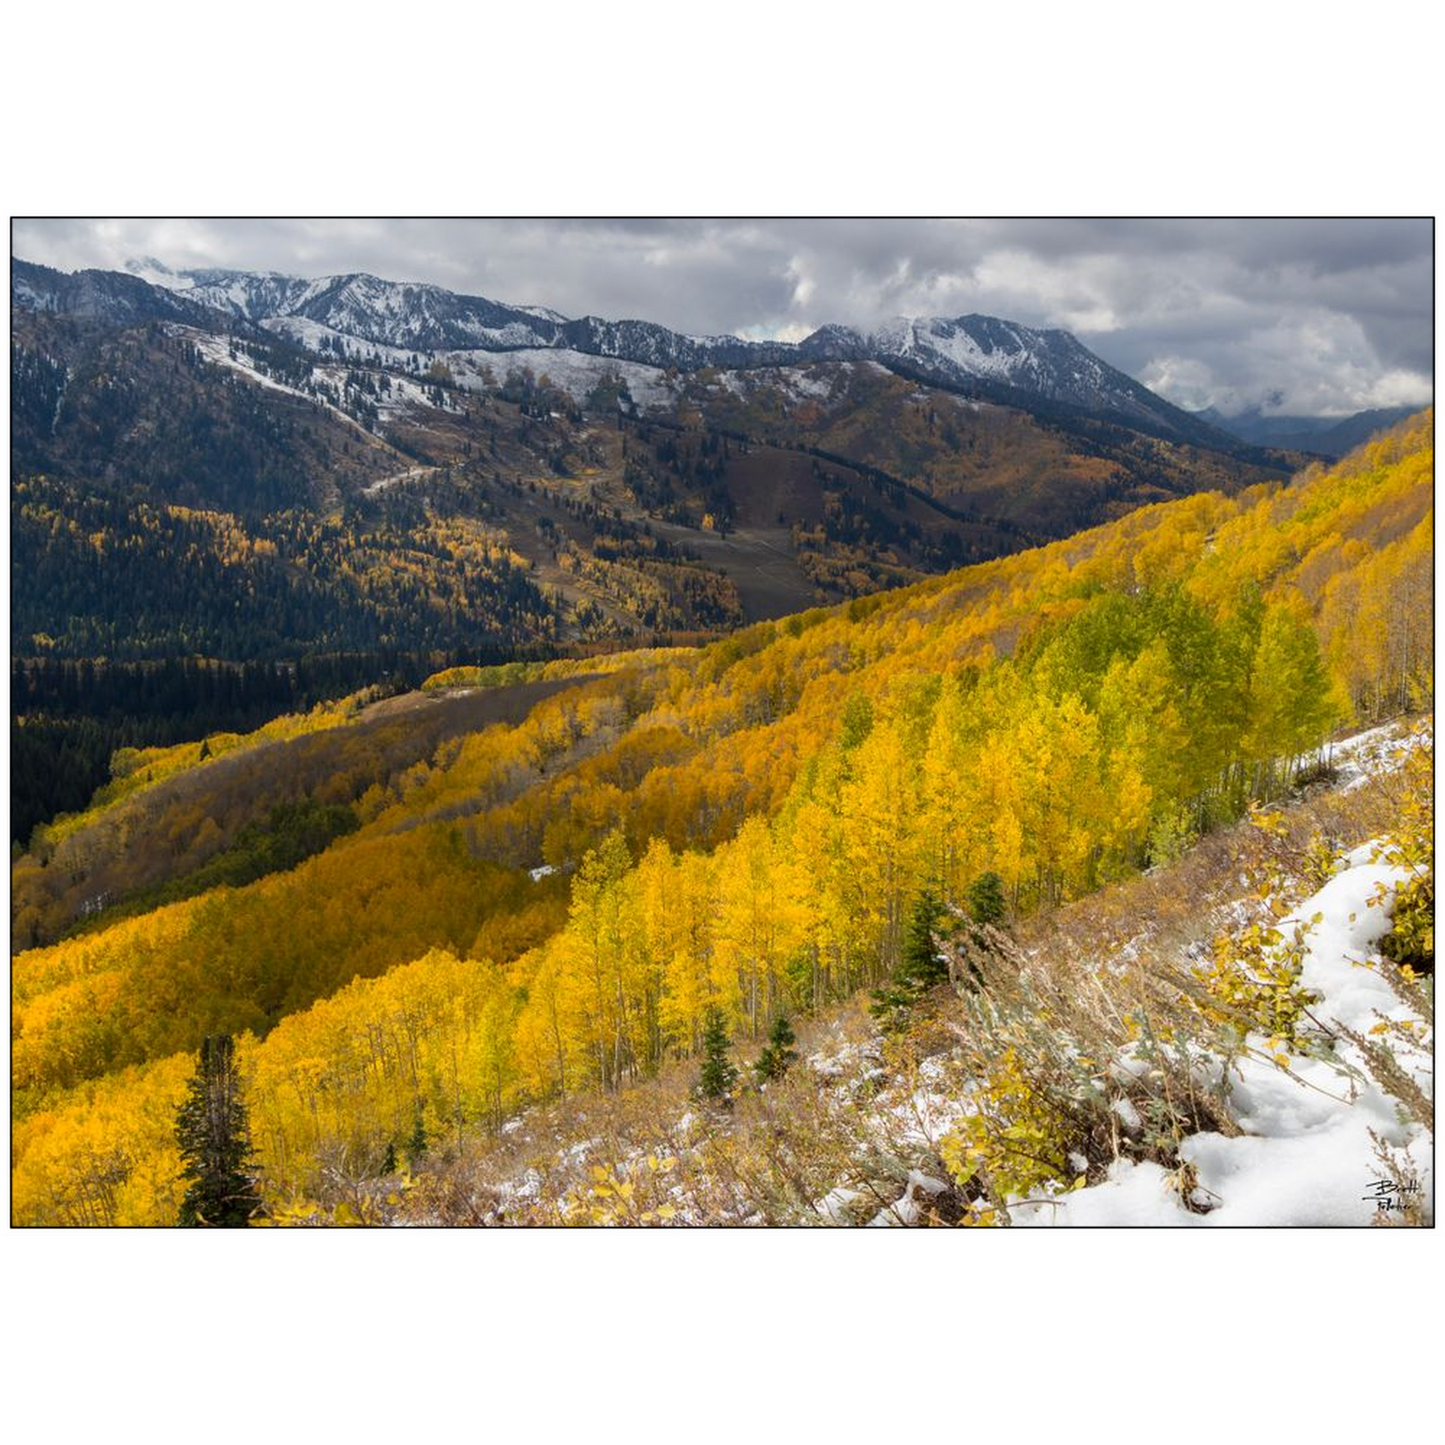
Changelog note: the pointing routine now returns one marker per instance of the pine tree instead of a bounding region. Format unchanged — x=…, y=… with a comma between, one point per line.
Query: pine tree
x=779, y=1055
x=985, y=899
x=388, y=1163
x=719, y=1073
x=416, y=1145
x=215, y=1144
x=919, y=966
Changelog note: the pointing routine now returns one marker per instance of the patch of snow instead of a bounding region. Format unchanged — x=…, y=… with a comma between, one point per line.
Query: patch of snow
x=1306, y=1156
x=1369, y=754
x=411, y=474
x=836, y=1206
x=1128, y=1114
x=575, y=372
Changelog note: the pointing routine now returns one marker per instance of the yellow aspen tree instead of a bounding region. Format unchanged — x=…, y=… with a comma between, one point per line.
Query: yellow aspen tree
x=877, y=813
x=690, y=985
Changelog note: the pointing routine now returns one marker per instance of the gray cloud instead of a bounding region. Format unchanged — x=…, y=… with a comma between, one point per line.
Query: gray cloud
x=1303, y=316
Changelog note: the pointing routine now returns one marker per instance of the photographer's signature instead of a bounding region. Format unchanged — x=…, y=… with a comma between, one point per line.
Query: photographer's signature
x=1392, y=1195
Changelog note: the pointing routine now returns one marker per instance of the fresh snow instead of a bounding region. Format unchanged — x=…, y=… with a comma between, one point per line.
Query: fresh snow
x=403, y=318
x=1365, y=755
x=217, y=349
x=1306, y=1156
x=385, y=484
x=575, y=372
x=405, y=394
x=797, y=383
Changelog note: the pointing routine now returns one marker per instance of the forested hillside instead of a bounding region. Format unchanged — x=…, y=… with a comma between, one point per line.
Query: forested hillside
x=560, y=886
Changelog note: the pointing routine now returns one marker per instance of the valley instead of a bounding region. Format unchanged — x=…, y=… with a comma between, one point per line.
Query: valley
x=246, y=471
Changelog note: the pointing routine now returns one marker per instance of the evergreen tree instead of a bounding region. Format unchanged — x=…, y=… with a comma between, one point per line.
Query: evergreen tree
x=719, y=1073
x=919, y=966
x=388, y=1163
x=779, y=1055
x=416, y=1145
x=215, y=1144
x=985, y=899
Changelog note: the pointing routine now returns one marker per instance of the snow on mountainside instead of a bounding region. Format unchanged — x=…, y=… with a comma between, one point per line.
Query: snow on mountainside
x=1052, y=364
x=574, y=372
x=107, y=297
x=326, y=382
x=413, y=317
x=979, y=355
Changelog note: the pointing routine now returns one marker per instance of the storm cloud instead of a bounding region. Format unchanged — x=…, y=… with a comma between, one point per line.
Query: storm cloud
x=1310, y=317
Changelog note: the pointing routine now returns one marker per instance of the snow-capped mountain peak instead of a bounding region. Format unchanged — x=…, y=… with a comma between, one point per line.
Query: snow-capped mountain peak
x=1003, y=360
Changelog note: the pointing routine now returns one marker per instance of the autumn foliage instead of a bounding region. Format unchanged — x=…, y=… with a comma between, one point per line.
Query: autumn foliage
x=564, y=902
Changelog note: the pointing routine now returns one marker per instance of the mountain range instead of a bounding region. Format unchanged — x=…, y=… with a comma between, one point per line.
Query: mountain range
x=251, y=465
x=1330, y=436
x=983, y=355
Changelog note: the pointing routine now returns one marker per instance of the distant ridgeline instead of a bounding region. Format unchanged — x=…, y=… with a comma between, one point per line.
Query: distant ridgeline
x=742, y=827
x=260, y=467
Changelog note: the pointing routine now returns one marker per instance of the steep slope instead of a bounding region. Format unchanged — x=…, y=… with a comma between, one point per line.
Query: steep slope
x=1004, y=361
x=155, y=406
x=416, y=317
x=743, y=827
x=1004, y=462
x=955, y=1117
x=110, y=298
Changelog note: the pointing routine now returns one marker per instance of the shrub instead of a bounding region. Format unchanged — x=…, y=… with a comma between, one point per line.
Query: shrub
x=1411, y=942
x=1253, y=981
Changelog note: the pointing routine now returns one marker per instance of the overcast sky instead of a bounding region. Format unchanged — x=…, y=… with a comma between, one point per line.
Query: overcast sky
x=1313, y=317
